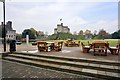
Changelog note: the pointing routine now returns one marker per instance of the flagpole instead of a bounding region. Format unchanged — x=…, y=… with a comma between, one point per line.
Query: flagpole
x=61, y=19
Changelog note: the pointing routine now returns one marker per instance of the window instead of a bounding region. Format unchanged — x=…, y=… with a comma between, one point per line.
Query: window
x=11, y=36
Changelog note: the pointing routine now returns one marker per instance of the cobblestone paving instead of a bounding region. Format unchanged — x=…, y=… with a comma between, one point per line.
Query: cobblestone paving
x=17, y=70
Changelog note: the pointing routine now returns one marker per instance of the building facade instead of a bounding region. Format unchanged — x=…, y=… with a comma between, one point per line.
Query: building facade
x=61, y=28
x=10, y=33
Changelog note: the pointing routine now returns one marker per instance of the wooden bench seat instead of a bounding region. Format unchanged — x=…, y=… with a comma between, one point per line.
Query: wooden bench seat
x=85, y=48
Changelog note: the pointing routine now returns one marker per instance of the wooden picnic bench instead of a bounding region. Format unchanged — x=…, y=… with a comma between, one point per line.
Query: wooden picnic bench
x=85, y=48
x=114, y=50
x=42, y=46
x=49, y=46
x=58, y=46
x=72, y=43
x=99, y=48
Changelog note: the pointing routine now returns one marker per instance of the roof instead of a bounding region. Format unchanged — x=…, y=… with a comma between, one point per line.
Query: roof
x=11, y=30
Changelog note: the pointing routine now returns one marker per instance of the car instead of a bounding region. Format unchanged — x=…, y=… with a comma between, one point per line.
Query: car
x=34, y=43
x=18, y=42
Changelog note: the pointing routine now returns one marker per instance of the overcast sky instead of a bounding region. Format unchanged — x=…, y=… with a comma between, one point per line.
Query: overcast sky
x=76, y=14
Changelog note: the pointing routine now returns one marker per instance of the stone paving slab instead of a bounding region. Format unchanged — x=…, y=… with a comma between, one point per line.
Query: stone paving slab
x=96, y=65
x=82, y=63
x=65, y=67
x=59, y=60
x=76, y=68
x=101, y=72
x=116, y=67
x=106, y=66
x=113, y=74
x=89, y=70
x=55, y=65
x=70, y=62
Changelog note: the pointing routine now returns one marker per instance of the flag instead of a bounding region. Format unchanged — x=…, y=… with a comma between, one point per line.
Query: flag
x=60, y=19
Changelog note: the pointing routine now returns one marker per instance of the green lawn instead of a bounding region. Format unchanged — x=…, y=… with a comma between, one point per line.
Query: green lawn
x=112, y=42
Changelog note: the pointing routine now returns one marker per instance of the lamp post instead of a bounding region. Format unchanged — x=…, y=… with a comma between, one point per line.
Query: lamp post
x=4, y=32
x=27, y=40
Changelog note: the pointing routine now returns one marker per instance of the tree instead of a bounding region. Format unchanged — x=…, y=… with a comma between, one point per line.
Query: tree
x=34, y=32
x=95, y=32
x=88, y=34
x=30, y=33
x=18, y=36
x=65, y=36
x=37, y=34
x=102, y=33
x=81, y=32
x=116, y=35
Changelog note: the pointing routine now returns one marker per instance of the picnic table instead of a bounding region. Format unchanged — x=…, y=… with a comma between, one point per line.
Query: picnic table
x=102, y=46
x=99, y=47
x=49, y=46
x=70, y=43
x=45, y=46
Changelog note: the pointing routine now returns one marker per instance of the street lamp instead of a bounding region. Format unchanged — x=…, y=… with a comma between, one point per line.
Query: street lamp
x=4, y=24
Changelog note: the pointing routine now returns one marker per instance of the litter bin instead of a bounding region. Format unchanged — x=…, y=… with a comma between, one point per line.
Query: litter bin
x=12, y=45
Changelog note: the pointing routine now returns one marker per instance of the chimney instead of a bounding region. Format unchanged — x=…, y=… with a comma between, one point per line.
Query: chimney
x=61, y=24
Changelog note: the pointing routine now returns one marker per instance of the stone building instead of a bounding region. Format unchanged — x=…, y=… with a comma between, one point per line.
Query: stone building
x=61, y=28
x=10, y=33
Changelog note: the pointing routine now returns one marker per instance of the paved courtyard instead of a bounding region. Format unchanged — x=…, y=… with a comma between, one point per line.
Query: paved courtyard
x=70, y=52
x=66, y=51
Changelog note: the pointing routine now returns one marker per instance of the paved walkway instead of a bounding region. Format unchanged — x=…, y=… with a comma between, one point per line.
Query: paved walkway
x=17, y=70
